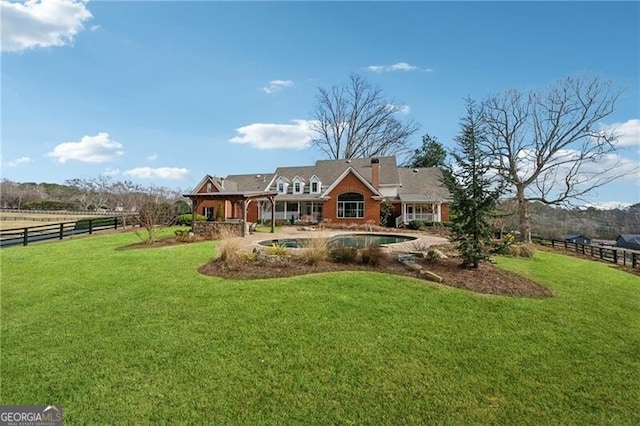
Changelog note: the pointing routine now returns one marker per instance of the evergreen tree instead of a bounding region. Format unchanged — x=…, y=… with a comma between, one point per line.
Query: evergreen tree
x=474, y=194
x=430, y=154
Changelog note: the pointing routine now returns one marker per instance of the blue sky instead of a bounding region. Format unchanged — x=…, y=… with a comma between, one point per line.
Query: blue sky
x=166, y=92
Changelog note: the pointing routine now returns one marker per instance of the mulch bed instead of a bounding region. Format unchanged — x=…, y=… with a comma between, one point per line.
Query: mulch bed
x=487, y=279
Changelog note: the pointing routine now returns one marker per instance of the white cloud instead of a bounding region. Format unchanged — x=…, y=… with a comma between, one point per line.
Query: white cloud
x=276, y=85
x=297, y=135
x=111, y=172
x=91, y=149
x=628, y=132
x=152, y=157
x=41, y=23
x=95, y=27
x=400, y=66
x=18, y=161
x=168, y=173
x=399, y=109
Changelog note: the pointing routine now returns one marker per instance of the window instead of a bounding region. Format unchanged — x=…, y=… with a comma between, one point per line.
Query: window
x=316, y=186
x=350, y=205
x=209, y=187
x=282, y=188
x=297, y=188
x=208, y=212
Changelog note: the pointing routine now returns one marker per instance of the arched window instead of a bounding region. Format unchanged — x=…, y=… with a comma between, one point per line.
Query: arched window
x=350, y=205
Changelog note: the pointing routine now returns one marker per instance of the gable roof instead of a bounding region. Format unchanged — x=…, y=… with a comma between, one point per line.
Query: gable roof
x=330, y=170
x=630, y=238
x=249, y=182
x=208, y=178
x=422, y=184
x=357, y=175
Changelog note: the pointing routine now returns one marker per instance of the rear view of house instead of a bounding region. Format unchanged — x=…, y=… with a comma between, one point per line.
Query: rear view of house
x=336, y=191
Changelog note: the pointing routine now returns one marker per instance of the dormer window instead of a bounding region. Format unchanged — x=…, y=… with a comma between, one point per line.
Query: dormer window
x=281, y=186
x=315, y=185
x=298, y=185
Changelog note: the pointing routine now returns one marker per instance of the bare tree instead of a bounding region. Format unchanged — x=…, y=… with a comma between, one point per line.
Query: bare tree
x=355, y=120
x=547, y=144
x=156, y=212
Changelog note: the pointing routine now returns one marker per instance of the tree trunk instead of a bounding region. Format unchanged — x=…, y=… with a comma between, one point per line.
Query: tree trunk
x=523, y=215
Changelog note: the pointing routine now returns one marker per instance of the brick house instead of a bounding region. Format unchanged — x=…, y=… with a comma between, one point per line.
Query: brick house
x=339, y=191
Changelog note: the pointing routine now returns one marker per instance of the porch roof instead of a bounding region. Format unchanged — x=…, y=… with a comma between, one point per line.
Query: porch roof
x=231, y=196
x=420, y=198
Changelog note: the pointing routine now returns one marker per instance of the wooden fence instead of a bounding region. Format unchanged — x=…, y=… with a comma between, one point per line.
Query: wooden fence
x=31, y=234
x=615, y=255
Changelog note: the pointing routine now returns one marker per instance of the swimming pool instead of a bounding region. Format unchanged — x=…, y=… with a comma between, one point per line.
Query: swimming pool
x=344, y=240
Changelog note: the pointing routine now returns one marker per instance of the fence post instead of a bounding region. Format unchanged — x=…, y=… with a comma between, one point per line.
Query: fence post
x=615, y=256
x=634, y=260
x=115, y=222
x=25, y=238
x=90, y=226
x=600, y=252
x=61, y=230
x=553, y=243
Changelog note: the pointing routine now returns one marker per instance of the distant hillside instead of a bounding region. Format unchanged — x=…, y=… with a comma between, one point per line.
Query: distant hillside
x=554, y=222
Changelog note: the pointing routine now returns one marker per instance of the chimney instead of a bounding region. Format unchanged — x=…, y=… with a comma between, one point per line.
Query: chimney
x=375, y=173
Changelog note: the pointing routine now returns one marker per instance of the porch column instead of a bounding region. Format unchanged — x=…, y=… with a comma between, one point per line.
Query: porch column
x=194, y=213
x=272, y=199
x=438, y=212
x=245, y=205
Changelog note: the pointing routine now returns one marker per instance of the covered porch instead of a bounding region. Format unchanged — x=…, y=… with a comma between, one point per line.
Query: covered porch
x=418, y=207
x=303, y=210
x=241, y=199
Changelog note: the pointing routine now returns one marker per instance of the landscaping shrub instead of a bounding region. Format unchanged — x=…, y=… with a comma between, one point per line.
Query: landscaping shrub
x=343, y=254
x=183, y=235
x=521, y=250
x=372, y=255
x=314, y=251
x=417, y=224
x=186, y=219
x=229, y=246
x=276, y=250
x=504, y=245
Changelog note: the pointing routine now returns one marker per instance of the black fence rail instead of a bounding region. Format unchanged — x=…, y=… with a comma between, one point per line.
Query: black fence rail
x=620, y=256
x=53, y=231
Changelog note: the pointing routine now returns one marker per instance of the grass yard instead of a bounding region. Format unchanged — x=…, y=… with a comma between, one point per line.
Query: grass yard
x=138, y=336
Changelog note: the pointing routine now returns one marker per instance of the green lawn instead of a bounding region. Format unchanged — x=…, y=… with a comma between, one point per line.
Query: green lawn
x=138, y=336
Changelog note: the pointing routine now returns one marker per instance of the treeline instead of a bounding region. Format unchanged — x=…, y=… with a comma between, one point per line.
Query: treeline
x=93, y=194
x=555, y=222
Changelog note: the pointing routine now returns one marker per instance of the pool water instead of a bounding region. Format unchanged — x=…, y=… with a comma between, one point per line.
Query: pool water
x=345, y=240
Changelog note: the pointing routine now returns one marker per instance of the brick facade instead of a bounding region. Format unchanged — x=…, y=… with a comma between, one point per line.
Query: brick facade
x=351, y=183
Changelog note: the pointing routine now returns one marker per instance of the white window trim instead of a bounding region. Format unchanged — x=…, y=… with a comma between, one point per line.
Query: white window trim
x=360, y=208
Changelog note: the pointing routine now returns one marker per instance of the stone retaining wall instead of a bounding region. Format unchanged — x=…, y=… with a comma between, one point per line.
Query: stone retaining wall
x=212, y=229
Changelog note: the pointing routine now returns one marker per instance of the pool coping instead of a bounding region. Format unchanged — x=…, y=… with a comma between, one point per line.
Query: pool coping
x=251, y=242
